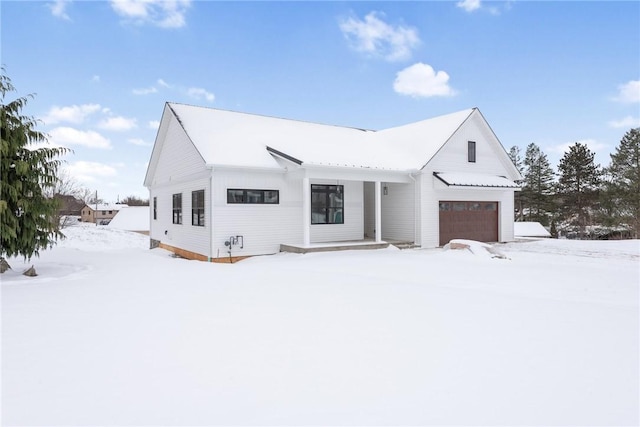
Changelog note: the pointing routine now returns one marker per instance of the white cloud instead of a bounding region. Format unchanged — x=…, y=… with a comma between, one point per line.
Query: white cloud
x=153, y=124
x=90, y=171
x=629, y=92
x=145, y=91
x=161, y=13
x=199, y=93
x=117, y=123
x=47, y=144
x=71, y=114
x=627, y=122
x=140, y=142
x=469, y=5
x=591, y=144
x=377, y=38
x=65, y=136
x=421, y=80
x=152, y=89
x=495, y=9
x=95, y=78
x=59, y=9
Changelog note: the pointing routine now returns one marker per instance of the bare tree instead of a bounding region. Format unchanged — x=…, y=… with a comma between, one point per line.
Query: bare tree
x=135, y=201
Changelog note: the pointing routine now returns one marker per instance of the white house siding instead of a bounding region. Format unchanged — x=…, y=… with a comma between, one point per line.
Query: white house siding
x=369, y=209
x=418, y=209
x=430, y=204
x=263, y=227
x=179, y=169
x=179, y=160
x=453, y=157
x=353, y=227
x=398, y=212
x=184, y=236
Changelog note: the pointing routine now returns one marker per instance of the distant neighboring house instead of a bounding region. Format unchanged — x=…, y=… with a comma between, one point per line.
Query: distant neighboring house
x=221, y=179
x=69, y=205
x=134, y=218
x=100, y=213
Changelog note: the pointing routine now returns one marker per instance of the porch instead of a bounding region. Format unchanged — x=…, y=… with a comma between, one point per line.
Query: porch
x=347, y=245
x=333, y=246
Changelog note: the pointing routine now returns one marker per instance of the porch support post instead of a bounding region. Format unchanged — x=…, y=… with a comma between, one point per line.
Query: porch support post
x=378, y=199
x=306, y=211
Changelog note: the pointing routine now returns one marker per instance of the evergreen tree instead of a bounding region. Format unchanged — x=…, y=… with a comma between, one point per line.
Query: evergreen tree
x=624, y=184
x=609, y=213
x=516, y=158
x=579, y=184
x=27, y=215
x=538, y=185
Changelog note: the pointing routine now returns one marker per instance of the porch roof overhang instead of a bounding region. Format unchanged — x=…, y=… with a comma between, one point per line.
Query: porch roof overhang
x=345, y=172
x=356, y=173
x=464, y=179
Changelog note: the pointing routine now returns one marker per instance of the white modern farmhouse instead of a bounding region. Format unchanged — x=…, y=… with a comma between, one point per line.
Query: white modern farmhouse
x=225, y=184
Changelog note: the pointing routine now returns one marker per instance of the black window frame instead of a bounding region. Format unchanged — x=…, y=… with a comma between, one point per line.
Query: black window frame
x=246, y=200
x=197, y=208
x=324, y=191
x=471, y=151
x=176, y=210
x=155, y=208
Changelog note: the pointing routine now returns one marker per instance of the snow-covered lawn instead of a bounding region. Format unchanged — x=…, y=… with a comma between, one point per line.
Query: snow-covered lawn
x=111, y=333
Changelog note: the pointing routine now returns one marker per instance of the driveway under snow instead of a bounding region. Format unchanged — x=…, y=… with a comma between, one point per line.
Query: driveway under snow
x=111, y=333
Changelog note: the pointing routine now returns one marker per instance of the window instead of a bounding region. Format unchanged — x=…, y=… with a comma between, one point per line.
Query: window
x=104, y=212
x=268, y=197
x=327, y=204
x=197, y=208
x=177, y=208
x=459, y=206
x=471, y=148
x=155, y=208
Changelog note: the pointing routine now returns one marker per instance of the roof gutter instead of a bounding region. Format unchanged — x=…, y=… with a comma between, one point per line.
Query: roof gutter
x=214, y=167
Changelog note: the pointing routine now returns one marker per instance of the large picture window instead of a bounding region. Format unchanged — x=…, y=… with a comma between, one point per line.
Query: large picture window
x=197, y=208
x=327, y=204
x=268, y=197
x=177, y=208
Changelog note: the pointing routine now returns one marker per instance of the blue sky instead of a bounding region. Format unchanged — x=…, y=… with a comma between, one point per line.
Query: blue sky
x=548, y=72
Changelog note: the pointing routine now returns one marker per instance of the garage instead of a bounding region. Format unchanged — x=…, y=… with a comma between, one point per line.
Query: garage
x=468, y=220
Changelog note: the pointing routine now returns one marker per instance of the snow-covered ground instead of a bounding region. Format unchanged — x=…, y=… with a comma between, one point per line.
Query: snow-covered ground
x=112, y=333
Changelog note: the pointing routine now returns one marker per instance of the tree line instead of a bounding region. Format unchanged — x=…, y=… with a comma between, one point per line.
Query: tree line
x=582, y=199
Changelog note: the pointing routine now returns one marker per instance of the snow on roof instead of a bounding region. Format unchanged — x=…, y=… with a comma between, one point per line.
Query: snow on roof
x=106, y=206
x=474, y=180
x=530, y=229
x=135, y=218
x=216, y=134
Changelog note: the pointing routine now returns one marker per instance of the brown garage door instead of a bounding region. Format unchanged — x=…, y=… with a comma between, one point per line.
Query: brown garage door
x=468, y=220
